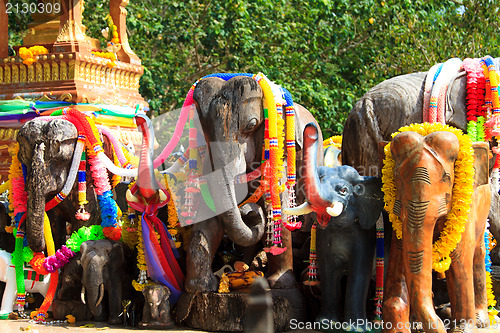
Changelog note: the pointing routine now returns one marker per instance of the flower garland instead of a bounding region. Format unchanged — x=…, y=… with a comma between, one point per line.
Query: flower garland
x=142, y=281
x=113, y=30
x=129, y=229
x=275, y=160
x=173, y=220
x=489, y=244
x=29, y=56
x=107, y=55
x=312, y=275
x=476, y=110
x=335, y=140
x=107, y=205
x=461, y=194
x=291, y=177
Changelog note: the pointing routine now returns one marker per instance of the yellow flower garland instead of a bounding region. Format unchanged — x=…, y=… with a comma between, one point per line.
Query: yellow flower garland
x=29, y=55
x=461, y=193
x=335, y=140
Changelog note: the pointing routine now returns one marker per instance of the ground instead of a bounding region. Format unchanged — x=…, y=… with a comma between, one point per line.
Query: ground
x=15, y=326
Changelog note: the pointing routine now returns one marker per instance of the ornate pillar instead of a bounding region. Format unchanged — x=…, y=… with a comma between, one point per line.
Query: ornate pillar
x=119, y=15
x=71, y=36
x=4, y=30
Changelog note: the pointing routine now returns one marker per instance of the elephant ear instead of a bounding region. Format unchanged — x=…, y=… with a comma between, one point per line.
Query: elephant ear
x=481, y=163
x=205, y=91
x=117, y=255
x=368, y=201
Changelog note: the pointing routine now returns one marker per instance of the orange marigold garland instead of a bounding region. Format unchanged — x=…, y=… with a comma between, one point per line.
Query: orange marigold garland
x=291, y=222
x=29, y=55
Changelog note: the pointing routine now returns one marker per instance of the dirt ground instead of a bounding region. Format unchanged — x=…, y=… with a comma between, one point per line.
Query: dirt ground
x=15, y=326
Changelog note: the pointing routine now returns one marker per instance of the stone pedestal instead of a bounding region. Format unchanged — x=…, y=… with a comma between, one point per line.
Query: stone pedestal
x=213, y=312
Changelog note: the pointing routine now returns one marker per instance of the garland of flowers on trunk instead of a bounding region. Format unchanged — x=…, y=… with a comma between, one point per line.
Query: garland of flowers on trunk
x=461, y=193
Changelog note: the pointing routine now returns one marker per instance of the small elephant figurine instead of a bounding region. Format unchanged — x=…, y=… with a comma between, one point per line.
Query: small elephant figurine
x=425, y=181
x=348, y=206
x=156, y=313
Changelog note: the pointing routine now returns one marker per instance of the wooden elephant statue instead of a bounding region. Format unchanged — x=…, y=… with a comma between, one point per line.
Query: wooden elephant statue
x=427, y=183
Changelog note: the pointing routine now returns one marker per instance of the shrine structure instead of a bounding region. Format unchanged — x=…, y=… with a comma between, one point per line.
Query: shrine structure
x=72, y=72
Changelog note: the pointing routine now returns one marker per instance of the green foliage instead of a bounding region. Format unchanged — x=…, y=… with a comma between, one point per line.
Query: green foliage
x=328, y=53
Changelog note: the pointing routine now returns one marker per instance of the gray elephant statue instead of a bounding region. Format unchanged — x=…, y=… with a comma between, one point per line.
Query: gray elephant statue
x=100, y=268
x=156, y=313
x=46, y=148
x=68, y=300
x=348, y=206
x=232, y=119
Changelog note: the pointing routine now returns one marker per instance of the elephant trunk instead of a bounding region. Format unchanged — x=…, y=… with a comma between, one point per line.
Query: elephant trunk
x=38, y=185
x=313, y=189
x=146, y=180
x=418, y=231
x=93, y=282
x=245, y=225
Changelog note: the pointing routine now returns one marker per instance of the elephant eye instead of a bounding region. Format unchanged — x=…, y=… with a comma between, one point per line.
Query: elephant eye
x=250, y=125
x=446, y=177
x=343, y=190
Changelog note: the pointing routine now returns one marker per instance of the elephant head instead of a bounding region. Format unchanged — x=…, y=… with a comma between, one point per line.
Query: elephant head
x=156, y=302
x=104, y=269
x=341, y=191
x=46, y=149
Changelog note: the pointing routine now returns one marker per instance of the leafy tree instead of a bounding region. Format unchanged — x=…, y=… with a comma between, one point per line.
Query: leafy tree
x=328, y=53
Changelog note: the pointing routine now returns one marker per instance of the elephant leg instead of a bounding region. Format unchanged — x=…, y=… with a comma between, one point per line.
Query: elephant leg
x=205, y=238
x=479, y=214
x=360, y=270
x=115, y=303
x=395, y=308
x=280, y=271
x=331, y=266
x=461, y=285
x=479, y=277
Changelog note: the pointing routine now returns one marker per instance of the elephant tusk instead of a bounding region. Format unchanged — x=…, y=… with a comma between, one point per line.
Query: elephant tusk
x=82, y=295
x=131, y=198
x=336, y=209
x=101, y=295
x=163, y=196
x=303, y=209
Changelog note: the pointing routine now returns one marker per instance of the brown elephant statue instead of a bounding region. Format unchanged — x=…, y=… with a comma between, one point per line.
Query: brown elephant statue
x=156, y=313
x=424, y=179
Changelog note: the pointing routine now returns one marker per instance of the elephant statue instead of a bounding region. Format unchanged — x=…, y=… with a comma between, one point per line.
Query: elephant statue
x=425, y=183
x=156, y=313
x=232, y=119
x=46, y=149
x=390, y=105
x=34, y=282
x=105, y=269
x=347, y=206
